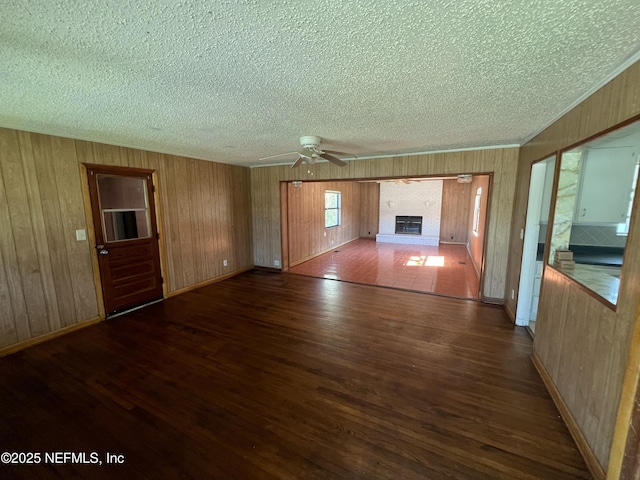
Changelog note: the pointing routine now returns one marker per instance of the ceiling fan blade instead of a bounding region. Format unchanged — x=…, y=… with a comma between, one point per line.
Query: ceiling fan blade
x=298, y=162
x=342, y=154
x=332, y=159
x=279, y=155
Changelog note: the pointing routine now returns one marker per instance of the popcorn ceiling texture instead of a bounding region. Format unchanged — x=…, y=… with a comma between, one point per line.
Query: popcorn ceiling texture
x=233, y=81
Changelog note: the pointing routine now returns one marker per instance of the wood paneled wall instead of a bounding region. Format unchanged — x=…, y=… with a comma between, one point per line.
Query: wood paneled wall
x=46, y=276
x=308, y=236
x=476, y=242
x=454, y=218
x=369, y=209
x=502, y=162
x=581, y=343
x=46, y=279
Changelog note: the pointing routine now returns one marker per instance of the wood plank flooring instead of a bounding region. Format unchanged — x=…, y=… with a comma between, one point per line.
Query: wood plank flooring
x=444, y=270
x=278, y=376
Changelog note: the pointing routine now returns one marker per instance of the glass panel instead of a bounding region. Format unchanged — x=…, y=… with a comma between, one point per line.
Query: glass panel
x=122, y=192
x=125, y=225
x=332, y=208
x=331, y=218
x=331, y=200
x=408, y=225
x=595, y=186
x=123, y=203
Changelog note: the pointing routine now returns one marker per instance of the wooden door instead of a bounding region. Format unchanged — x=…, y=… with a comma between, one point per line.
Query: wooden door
x=126, y=236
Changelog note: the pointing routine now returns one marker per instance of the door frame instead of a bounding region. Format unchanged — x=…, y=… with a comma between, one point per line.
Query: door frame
x=91, y=232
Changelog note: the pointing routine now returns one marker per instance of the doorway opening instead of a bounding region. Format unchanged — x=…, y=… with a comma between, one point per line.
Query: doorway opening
x=425, y=234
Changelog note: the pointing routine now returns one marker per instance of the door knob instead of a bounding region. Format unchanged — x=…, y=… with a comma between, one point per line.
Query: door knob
x=104, y=252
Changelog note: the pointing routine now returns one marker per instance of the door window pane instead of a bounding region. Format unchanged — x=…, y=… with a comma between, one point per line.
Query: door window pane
x=124, y=207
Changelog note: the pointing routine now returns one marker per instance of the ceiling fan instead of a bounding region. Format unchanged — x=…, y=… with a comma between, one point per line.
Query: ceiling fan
x=311, y=152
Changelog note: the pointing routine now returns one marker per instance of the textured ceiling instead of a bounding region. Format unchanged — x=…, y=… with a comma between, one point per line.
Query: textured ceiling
x=233, y=81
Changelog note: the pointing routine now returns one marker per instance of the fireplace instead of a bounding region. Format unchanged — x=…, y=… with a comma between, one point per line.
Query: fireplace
x=409, y=225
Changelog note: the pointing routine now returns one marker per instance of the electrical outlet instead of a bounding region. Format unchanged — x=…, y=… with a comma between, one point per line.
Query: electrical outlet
x=276, y=263
x=225, y=263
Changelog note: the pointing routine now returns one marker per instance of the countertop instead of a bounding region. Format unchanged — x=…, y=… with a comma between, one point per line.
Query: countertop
x=592, y=255
x=596, y=279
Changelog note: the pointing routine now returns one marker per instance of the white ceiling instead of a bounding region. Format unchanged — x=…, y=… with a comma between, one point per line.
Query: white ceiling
x=234, y=80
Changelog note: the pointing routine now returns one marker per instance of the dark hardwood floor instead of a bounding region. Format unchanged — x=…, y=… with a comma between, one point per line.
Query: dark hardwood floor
x=270, y=376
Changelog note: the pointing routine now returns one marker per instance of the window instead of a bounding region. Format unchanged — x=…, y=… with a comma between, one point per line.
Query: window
x=596, y=185
x=476, y=211
x=331, y=208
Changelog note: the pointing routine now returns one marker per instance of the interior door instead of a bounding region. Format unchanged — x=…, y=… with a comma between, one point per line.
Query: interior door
x=540, y=189
x=126, y=236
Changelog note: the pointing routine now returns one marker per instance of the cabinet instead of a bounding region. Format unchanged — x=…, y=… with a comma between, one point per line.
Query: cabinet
x=605, y=186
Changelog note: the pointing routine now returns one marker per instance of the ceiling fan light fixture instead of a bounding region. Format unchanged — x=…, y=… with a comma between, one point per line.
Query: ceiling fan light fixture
x=310, y=142
x=311, y=152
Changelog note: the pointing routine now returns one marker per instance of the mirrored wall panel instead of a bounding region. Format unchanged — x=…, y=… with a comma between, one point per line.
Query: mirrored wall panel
x=595, y=193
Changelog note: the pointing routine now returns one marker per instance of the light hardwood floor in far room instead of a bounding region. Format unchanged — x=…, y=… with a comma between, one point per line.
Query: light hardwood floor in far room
x=443, y=270
x=278, y=376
